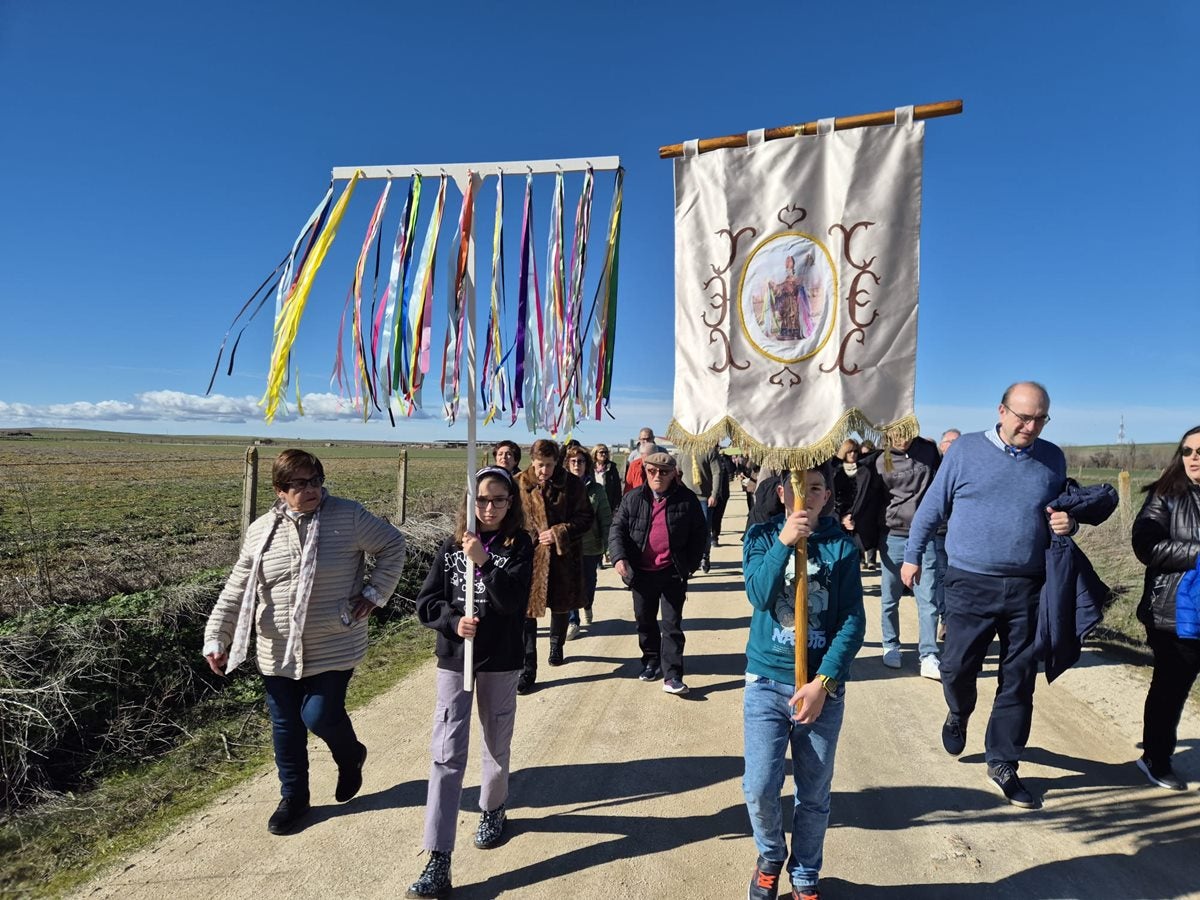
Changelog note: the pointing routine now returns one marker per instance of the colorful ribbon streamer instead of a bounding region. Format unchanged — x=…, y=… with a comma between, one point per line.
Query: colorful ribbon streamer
x=493, y=386
x=281, y=284
x=287, y=322
x=382, y=348
x=411, y=376
x=456, y=320
x=605, y=307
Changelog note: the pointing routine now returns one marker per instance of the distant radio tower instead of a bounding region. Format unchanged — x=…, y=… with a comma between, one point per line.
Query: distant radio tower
x=1121, y=432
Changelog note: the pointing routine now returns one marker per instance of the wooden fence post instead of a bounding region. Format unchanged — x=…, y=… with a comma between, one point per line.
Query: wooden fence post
x=249, y=489
x=402, y=487
x=1124, y=499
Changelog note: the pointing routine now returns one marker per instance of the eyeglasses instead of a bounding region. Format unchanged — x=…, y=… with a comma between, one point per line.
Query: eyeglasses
x=1028, y=420
x=1185, y=452
x=654, y=471
x=602, y=453
x=299, y=484
x=494, y=502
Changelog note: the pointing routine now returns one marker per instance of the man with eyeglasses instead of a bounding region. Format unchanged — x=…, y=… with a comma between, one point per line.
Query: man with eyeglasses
x=656, y=542
x=993, y=489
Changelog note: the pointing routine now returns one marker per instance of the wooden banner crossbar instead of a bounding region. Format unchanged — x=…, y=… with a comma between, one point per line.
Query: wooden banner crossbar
x=459, y=171
x=887, y=117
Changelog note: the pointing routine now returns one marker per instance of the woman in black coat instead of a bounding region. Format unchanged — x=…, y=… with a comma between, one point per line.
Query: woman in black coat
x=1166, y=538
x=857, y=500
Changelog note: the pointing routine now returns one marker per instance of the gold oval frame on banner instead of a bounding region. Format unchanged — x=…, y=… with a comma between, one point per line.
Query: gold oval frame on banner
x=833, y=299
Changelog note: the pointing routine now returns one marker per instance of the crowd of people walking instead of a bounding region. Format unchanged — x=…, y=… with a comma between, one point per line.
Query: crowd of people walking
x=962, y=525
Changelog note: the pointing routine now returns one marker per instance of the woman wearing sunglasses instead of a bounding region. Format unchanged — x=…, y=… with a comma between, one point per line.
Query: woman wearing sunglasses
x=300, y=583
x=1166, y=538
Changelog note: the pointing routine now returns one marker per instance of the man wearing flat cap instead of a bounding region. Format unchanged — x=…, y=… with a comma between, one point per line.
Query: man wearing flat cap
x=656, y=542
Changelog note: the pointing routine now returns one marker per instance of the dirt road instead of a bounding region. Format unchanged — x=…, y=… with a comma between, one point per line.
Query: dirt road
x=620, y=790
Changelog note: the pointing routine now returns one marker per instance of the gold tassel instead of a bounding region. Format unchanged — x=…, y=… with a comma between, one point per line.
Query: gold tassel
x=793, y=458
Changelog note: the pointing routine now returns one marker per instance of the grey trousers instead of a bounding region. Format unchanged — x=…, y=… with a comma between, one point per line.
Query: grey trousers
x=497, y=696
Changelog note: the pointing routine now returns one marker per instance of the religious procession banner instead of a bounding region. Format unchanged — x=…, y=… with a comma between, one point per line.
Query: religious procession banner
x=796, y=271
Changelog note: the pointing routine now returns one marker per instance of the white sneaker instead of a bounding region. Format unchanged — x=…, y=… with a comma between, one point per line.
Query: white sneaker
x=891, y=658
x=929, y=668
x=572, y=631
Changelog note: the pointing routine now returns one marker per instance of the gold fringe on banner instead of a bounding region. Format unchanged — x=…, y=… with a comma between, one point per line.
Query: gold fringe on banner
x=794, y=458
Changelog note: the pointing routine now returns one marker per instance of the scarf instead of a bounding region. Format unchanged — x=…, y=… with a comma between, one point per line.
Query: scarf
x=850, y=468
x=308, y=571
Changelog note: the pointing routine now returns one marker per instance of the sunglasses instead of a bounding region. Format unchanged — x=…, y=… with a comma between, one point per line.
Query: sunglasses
x=1185, y=452
x=654, y=471
x=299, y=484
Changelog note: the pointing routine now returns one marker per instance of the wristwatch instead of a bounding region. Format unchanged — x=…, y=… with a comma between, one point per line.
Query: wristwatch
x=830, y=684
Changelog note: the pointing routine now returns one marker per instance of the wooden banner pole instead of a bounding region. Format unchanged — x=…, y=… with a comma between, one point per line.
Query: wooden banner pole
x=799, y=489
x=886, y=117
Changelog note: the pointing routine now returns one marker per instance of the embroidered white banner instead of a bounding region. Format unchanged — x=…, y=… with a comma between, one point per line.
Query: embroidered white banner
x=796, y=271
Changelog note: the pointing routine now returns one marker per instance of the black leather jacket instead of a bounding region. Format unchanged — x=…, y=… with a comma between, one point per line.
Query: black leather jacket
x=1166, y=539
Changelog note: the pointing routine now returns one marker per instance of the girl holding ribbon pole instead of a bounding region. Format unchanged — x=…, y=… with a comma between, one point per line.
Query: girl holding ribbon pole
x=502, y=552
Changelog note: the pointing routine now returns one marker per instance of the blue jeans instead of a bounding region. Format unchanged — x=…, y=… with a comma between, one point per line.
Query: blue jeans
x=891, y=556
x=315, y=703
x=943, y=563
x=769, y=728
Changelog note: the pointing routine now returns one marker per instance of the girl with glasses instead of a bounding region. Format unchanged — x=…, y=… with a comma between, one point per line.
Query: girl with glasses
x=1166, y=538
x=503, y=556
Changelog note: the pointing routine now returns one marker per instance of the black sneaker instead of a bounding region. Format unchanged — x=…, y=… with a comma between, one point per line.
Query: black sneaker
x=287, y=814
x=650, y=673
x=491, y=828
x=675, y=686
x=1161, y=775
x=954, y=734
x=1004, y=777
x=704, y=567
x=435, y=880
x=525, y=682
x=350, y=777
x=764, y=883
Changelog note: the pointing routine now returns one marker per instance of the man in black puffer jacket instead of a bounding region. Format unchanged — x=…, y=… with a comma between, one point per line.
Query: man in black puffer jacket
x=656, y=542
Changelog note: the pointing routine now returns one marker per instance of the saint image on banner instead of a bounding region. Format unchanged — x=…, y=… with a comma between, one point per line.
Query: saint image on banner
x=787, y=296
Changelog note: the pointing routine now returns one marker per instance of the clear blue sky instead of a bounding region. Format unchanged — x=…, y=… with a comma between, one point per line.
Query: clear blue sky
x=160, y=157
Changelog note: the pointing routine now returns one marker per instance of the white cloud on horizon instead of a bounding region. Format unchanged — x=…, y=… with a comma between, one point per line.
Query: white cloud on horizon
x=172, y=411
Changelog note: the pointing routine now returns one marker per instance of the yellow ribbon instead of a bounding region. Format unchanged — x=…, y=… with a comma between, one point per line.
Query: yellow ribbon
x=288, y=321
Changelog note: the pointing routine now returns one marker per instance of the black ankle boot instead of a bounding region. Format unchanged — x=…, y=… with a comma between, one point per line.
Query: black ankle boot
x=287, y=814
x=556, y=652
x=435, y=880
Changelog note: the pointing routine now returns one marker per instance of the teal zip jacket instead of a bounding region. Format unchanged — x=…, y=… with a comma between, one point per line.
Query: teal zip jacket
x=836, y=621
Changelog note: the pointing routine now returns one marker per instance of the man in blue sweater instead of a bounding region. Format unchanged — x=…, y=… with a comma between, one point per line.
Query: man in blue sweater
x=776, y=710
x=992, y=489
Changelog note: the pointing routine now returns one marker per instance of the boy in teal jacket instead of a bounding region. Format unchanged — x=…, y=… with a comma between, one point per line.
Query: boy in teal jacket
x=776, y=710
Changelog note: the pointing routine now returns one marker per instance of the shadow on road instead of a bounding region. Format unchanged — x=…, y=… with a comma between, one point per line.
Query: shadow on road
x=1101, y=804
x=608, y=786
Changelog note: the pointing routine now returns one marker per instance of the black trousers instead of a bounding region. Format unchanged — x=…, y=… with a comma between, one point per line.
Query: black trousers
x=978, y=609
x=660, y=647
x=717, y=515
x=558, y=634
x=1176, y=664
